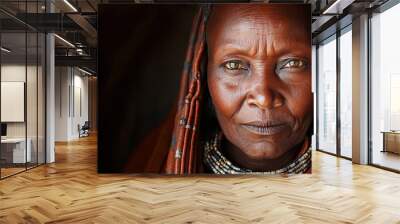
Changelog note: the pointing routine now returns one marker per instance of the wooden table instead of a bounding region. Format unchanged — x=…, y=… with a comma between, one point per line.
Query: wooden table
x=14, y=150
x=391, y=141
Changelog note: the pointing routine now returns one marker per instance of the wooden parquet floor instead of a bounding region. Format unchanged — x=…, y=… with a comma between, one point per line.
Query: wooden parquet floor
x=70, y=191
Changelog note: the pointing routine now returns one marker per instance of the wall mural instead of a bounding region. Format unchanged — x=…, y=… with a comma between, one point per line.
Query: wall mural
x=213, y=88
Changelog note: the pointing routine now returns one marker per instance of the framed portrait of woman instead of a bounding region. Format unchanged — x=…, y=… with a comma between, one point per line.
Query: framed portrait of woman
x=205, y=89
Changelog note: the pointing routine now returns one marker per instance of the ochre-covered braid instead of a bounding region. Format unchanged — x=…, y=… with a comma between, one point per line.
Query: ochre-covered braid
x=182, y=111
x=183, y=147
x=193, y=96
x=196, y=103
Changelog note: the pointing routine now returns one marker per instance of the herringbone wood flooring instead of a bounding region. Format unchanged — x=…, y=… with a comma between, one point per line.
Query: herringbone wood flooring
x=70, y=191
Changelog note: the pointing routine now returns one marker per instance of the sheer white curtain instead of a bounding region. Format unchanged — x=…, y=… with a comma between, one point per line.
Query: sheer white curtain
x=327, y=96
x=346, y=93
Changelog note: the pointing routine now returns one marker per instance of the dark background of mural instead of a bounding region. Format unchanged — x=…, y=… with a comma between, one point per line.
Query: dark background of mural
x=141, y=53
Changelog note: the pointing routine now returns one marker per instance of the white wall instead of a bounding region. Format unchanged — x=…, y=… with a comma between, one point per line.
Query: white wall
x=79, y=117
x=16, y=73
x=62, y=80
x=12, y=73
x=71, y=93
x=33, y=127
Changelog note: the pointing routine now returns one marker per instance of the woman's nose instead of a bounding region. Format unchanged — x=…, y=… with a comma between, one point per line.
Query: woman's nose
x=264, y=96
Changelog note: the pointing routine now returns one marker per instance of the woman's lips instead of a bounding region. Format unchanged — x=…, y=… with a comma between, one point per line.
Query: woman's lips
x=265, y=128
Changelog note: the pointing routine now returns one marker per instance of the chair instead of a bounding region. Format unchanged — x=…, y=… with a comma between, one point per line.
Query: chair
x=84, y=130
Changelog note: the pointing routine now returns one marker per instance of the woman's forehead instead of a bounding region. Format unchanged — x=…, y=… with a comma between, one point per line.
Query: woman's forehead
x=266, y=8
x=266, y=26
x=258, y=18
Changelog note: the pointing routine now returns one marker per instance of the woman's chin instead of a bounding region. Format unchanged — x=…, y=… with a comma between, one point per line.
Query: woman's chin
x=264, y=152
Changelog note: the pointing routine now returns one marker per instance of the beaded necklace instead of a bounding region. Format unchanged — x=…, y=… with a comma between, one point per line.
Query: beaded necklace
x=219, y=164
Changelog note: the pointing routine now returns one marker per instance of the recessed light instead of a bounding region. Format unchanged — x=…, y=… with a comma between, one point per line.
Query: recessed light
x=70, y=5
x=84, y=71
x=5, y=50
x=65, y=41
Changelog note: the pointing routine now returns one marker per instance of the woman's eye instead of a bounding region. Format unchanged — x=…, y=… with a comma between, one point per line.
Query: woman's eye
x=235, y=65
x=293, y=63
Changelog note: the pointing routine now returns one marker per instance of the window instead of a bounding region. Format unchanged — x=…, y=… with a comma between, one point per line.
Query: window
x=346, y=92
x=22, y=77
x=385, y=89
x=327, y=95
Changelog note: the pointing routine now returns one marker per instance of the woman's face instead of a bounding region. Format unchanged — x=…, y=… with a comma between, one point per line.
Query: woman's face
x=259, y=77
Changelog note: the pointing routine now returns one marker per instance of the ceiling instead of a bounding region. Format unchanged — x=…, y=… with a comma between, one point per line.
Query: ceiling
x=76, y=22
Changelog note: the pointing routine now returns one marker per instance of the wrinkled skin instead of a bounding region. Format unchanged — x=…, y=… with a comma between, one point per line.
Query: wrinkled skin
x=259, y=79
